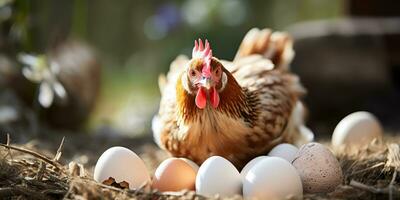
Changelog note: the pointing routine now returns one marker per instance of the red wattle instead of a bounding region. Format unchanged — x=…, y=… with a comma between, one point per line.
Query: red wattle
x=201, y=98
x=214, y=98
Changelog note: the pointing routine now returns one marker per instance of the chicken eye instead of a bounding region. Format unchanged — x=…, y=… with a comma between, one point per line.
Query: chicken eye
x=217, y=71
x=192, y=73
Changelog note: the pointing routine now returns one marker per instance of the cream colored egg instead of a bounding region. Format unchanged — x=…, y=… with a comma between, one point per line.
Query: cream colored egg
x=272, y=178
x=174, y=174
x=357, y=129
x=306, y=135
x=123, y=165
x=318, y=168
x=218, y=176
x=285, y=151
x=250, y=164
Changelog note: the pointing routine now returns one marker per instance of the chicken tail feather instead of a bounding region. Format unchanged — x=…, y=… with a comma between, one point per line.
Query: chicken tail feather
x=276, y=46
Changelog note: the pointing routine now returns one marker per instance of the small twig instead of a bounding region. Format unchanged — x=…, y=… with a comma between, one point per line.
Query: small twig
x=59, y=150
x=391, y=184
x=8, y=150
x=369, y=168
x=41, y=170
x=69, y=190
x=371, y=189
x=8, y=139
x=54, y=191
x=44, y=158
x=39, y=184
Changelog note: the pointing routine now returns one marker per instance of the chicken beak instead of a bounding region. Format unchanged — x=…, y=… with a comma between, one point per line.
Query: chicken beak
x=206, y=83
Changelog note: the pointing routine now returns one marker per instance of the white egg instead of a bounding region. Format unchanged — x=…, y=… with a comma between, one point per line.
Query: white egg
x=122, y=165
x=250, y=164
x=272, y=178
x=218, y=176
x=285, y=151
x=357, y=129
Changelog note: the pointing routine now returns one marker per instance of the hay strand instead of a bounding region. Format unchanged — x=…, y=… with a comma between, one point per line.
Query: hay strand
x=35, y=154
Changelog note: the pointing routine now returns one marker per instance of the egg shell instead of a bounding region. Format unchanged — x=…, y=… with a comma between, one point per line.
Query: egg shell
x=192, y=164
x=318, y=168
x=174, y=174
x=285, y=151
x=218, y=176
x=272, y=178
x=250, y=164
x=357, y=129
x=121, y=164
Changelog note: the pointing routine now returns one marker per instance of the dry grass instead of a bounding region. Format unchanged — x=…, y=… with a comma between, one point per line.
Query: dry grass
x=370, y=173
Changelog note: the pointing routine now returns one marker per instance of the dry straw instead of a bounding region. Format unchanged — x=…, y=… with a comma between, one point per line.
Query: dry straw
x=370, y=173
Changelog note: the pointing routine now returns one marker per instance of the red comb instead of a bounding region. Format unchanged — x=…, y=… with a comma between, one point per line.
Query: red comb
x=205, y=53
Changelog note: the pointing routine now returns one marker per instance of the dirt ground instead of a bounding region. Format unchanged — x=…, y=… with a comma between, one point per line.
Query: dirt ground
x=41, y=169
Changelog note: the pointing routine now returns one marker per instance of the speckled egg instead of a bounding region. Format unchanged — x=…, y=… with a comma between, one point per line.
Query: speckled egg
x=318, y=168
x=357, y=129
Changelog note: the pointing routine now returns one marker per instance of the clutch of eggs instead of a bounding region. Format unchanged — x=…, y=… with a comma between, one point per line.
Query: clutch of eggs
x=284, y=173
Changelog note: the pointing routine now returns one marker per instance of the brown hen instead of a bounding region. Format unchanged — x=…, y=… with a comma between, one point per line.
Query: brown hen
x=237, y=110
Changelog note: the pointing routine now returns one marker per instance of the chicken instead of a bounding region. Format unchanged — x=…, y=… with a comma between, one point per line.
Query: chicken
x=237, y=110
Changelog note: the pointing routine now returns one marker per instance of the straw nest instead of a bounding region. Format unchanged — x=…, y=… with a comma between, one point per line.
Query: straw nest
x=370, y=173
